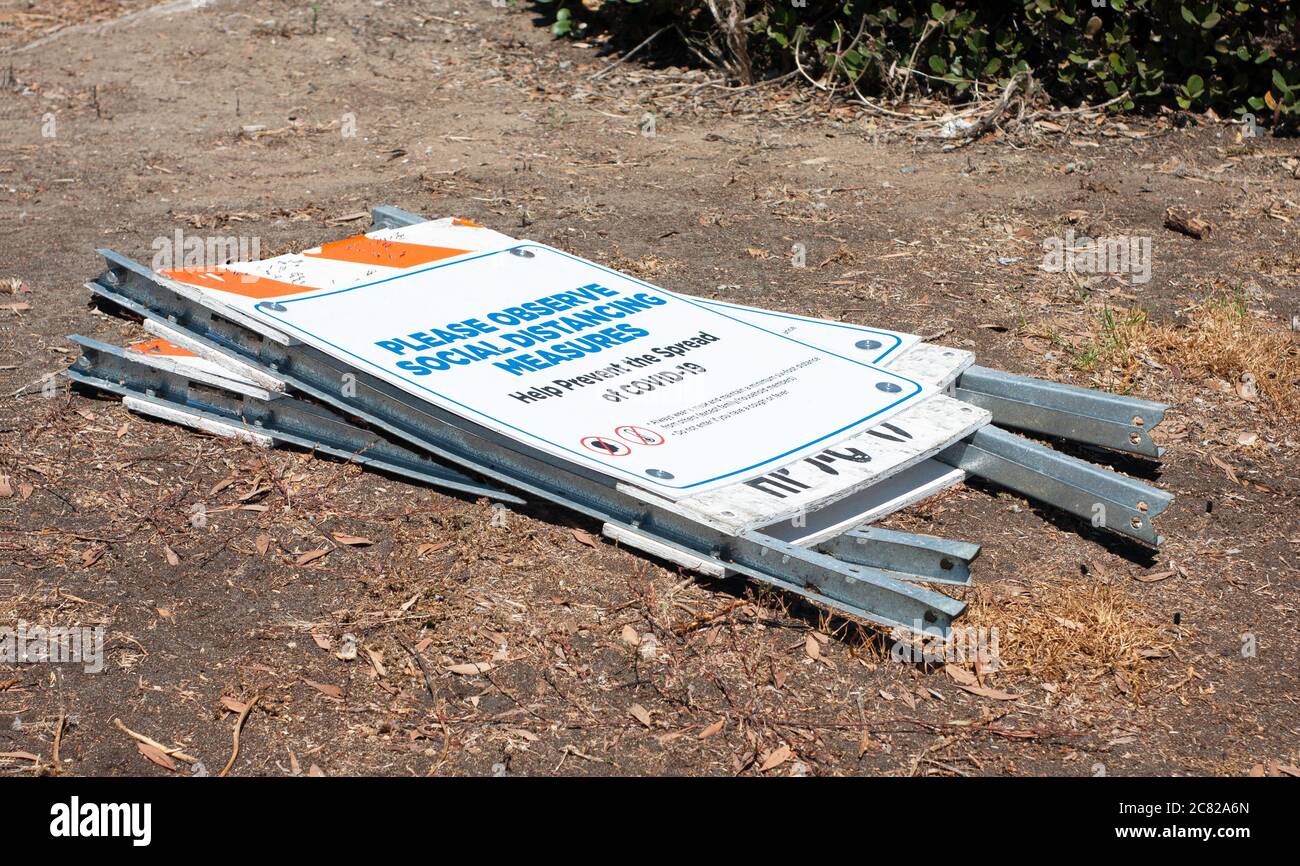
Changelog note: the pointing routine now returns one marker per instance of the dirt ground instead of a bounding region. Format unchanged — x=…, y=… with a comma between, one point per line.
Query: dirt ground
x=233, y=119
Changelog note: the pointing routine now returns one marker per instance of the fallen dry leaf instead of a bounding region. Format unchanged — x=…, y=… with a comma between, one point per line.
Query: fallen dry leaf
x=812, y=648
x=986, y=692
x=21, y=756
x=470, y=669
x=1227, y=470
x=351, y=540
x=960, y=675
x=6, y=489
x=172, y=557
x=377, y=661
x=263, y=543
x=630, y=636
x=712, y=729
x=776, y=759
x=158, y=756
x=585, y=537
x=311, y=556
x=235, y=706
x=325, y=688
x=640, y=714
x=1122, y=683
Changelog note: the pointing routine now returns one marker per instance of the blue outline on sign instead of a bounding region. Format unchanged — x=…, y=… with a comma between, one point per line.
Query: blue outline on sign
x=605, y=468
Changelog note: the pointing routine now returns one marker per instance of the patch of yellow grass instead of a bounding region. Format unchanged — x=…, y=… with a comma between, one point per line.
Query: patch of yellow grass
x=1221, y=338
x=1070, y=632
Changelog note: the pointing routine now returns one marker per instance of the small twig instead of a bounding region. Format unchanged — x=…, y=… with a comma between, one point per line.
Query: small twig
x=628, y=56
x=58, y=738
x=911, y=63
x=175, y=753
x=798, y=38
x=239, y=726
x=419, y=660
x=706, y=619
x=1080, y=109
x=985, y=123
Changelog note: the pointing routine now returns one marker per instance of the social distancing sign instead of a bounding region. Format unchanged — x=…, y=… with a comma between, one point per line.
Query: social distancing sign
x=595, y=367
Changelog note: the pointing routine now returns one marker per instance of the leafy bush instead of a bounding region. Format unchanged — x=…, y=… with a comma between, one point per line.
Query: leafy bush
x=1140, y=55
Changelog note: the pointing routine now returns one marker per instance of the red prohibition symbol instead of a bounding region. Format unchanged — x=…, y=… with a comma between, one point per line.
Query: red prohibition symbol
x=638, y=435
x=607, y=447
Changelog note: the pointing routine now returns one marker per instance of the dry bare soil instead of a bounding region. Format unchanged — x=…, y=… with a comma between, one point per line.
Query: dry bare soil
x=230, y=119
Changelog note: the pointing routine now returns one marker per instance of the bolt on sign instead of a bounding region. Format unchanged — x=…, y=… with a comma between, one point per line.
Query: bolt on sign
x=578, y=361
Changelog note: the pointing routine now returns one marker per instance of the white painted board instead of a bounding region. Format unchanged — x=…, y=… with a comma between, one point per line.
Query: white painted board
x=596, y=367
x=392, y=252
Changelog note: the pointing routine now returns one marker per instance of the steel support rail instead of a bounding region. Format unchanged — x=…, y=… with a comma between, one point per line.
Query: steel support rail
x=921, y=557
x=1078, y=414
x=110, y=368
x=385, y=216
x=857, y=590
x=1106, y=498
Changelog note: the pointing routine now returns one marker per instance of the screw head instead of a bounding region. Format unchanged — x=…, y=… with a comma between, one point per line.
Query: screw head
x=660, y=473
x=274, y=307
x=888, y=387
x=868, y=345
x=522, y=253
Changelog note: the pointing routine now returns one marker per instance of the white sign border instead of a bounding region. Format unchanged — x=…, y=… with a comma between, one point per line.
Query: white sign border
x=654, y=485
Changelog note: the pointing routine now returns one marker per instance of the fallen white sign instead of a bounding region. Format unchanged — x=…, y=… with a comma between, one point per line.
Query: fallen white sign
x=596, y=367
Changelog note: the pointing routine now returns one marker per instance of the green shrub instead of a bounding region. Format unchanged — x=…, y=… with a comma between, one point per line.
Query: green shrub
x=1237, y=57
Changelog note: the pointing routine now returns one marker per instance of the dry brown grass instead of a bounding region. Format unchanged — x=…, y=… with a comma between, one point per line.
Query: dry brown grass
x=1220, y=339
x=1070, y=632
